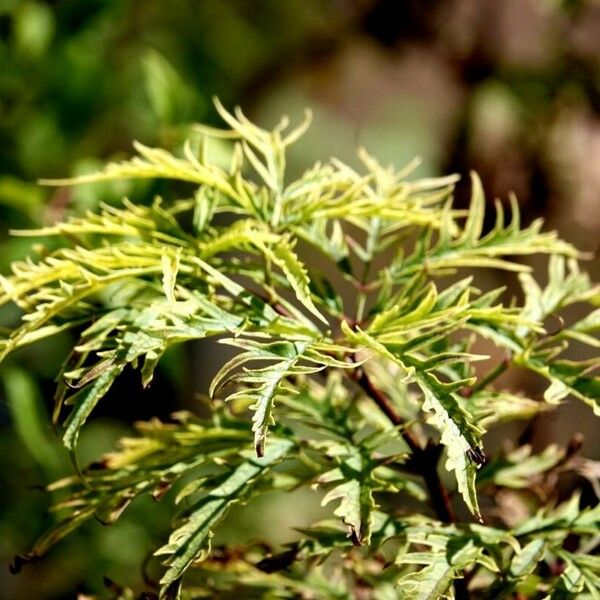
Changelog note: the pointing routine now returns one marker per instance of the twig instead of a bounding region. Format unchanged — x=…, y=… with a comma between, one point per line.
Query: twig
x=385, y=405
x=482, y=383
x=423, y=461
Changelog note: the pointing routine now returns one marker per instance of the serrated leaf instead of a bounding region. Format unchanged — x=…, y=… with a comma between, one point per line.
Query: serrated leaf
x=520, y=468
x=474, y=224
x=191, y=541
x=260, y=387
x=566, y=377
x=460, y=437
x=489, y=407
x=282, y=254
x=469, y=250
x=355, y=508
x=153, y=163
x=580, y=575
x=432, y=582
x=84, y=402
x=457, y=429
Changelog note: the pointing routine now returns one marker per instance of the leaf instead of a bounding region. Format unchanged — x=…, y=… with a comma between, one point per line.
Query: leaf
x=364, y=340
x=456, y=426
x=349, y=509
x=566, y=377
x=84, y=402
x=355, y=494
x=469, y=250
x=520, y=468
x=332, y=244
x=149, y=463
x=490, y=408
x=283, y=255
x=459, y=435
x=566, y=285
x=264, y=396
x=526, y=560
x=191, y=541
x=132, y=221
x=432, y=582
x=474, y=224
x=277, y=249
x=581, y=573
x=285, y=359
x=153, y=163
x=447, y=554
x=568, y=517
x=123, y=336
x=170, y=267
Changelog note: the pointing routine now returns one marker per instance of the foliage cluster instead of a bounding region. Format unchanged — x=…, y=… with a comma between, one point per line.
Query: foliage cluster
x=362, y=397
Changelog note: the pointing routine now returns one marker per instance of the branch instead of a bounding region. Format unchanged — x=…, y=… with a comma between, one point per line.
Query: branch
x=386, y=407
x=423, y=461
x=489, y=378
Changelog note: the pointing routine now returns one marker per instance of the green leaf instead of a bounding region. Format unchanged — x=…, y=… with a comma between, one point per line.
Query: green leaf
x=469, y=250
x=355, y=494
x=84, y=402
x=170, y=266
x=149, y=463
x=152, y=163
x=581, y=573
x=526, y=560
x=260, y=387
x=443, y=408
x=474, y=224
x=519, y=469
x=282, y=254
x=566, y=377
x=490, y=408
x=191, y=541
x=447, y=554
x=432, y=582
x=354, y=508
x=460, y=436
x=566, y=285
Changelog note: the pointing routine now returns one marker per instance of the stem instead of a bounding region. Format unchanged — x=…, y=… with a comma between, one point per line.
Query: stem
x=427, y=464
x=498, y=370
x=423, y=461
x=386, y=407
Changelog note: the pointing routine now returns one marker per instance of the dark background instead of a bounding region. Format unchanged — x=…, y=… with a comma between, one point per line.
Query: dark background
x=509, y=88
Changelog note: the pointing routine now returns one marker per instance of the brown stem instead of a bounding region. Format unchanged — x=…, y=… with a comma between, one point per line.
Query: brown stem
x=386, y=407
x=426, y=462
x=423, y=461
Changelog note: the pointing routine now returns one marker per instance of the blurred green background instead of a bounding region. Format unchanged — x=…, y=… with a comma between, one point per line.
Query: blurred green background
x=510, y=88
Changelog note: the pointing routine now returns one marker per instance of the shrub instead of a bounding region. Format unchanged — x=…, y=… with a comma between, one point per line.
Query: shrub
x=364, y=397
